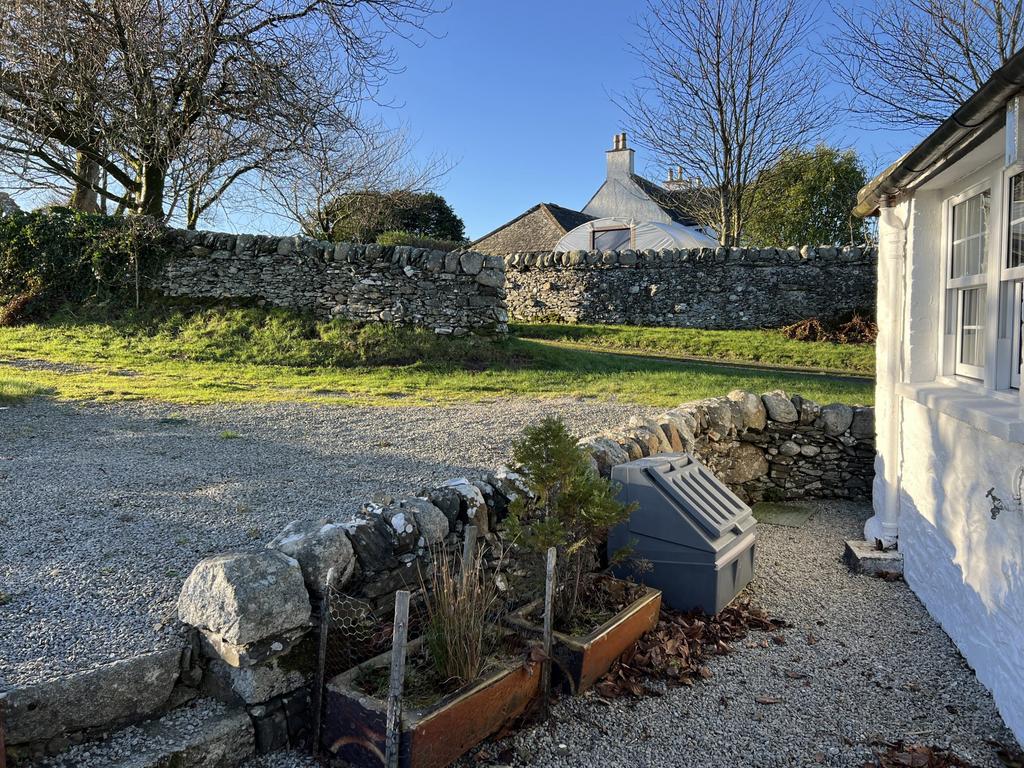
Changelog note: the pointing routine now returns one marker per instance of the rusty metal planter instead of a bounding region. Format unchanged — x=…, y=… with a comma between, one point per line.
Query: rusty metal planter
x=582, y=660
x=433, y=737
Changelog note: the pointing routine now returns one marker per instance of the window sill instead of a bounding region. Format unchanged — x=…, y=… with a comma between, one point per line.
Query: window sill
x=998, y=414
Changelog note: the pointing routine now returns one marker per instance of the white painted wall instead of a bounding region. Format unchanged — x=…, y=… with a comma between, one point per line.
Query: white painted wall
x=622, y=198
x=934, y=469
x=967, y=568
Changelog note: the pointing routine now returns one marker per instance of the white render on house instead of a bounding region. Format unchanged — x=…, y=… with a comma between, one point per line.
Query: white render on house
x=620, y=195
x=949, y=413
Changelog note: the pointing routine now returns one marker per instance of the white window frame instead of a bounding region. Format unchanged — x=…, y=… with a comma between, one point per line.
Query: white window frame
x=955, y=286
x=1016, y=319
x=1011, y=292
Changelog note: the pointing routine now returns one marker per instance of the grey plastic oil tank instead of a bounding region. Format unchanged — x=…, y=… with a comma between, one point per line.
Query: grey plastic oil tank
x=696, y=533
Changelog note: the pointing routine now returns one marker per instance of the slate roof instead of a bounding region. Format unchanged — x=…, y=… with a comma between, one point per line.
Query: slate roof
x=567, y=218
x=536, y=234
x=680, y=204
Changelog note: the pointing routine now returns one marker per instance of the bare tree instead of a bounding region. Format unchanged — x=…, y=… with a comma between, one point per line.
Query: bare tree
x=128, y=94
x=727, y=88
x=366, y=160
x=911, y=63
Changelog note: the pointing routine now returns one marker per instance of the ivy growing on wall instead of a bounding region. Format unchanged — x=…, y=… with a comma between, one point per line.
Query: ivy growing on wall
x=59, y=257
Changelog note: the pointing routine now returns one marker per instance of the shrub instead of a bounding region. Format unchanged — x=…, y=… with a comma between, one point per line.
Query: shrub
x=52, y=258
x=571, y=507
x=400, y=237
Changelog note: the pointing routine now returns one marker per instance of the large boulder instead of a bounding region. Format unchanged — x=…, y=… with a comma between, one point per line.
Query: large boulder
x=780, y=408
x=719, y=416
x=746, y=462
x=835, y=419
x=245, y=597
x=106, y=696
x=750, y=408
x=606, y=452
x=863, y=425
x=317, y=547
x=472, y=506
x=653, y=430
x=432, y=522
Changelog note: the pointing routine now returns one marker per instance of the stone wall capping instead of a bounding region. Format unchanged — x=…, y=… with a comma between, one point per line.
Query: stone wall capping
x=769, y=446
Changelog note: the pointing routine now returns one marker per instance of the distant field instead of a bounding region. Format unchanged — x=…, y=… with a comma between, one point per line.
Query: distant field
x=241, y=355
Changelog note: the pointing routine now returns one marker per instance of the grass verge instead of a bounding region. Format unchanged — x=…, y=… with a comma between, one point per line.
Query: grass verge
x=15, y=389
x=768, y=347
x=231, y=355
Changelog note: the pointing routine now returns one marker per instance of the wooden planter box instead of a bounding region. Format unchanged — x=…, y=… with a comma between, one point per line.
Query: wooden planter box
x=583, y=660
x=354, y=722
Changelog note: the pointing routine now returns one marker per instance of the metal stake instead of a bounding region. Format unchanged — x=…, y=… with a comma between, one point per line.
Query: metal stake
x=394, y=722
x=321, y=668
x=549, y=601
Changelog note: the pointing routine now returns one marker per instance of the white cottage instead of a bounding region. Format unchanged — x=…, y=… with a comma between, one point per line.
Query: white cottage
x=950, y=416
x=626, y=211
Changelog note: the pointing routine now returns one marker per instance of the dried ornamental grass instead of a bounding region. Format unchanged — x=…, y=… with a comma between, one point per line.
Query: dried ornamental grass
x=460, y=602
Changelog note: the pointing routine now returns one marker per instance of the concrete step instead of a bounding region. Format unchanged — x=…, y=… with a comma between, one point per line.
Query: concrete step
x=203, y=734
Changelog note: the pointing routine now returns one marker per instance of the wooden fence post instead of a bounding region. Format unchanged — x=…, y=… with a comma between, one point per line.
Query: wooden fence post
x=549, y=601
x=393, y=736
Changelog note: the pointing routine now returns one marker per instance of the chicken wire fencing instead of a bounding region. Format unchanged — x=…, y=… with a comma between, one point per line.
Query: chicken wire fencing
x=350, y=633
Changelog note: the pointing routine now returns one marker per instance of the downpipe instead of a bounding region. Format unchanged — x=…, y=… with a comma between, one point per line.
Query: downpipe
x=884, y=525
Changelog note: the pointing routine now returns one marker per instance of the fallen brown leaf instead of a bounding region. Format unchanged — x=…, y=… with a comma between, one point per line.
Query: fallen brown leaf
x=676, y=650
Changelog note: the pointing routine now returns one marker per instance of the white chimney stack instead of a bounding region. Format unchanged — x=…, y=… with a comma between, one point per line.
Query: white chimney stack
x=619, y=158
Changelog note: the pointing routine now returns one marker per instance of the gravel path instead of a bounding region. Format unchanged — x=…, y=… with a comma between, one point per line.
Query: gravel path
x=104, y=509
x=876, y=666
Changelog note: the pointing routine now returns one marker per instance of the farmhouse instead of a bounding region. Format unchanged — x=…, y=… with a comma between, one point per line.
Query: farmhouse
x=950, y=434
x=626, y=211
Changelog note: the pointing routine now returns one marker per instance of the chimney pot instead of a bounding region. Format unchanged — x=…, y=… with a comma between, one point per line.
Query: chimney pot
x=615, y=141
x=671, y=175
x=623, y=140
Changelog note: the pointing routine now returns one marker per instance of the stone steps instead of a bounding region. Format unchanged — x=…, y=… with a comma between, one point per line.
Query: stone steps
x=203, y=734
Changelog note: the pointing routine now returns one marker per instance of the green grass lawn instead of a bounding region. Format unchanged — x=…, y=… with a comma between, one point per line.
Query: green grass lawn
x=15, y=390
x=256, y=355
x=770, y=348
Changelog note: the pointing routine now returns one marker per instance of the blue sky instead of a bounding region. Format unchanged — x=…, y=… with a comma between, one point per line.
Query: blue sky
x=518, y=94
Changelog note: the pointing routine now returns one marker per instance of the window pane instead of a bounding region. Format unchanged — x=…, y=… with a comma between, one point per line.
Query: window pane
x=1017, y=197
x=611, y=239
x=1016, y=244
x=972, y=327
x=970, y=236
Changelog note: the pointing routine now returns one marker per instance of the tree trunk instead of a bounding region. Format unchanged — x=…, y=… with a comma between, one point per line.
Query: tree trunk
x=83, y=196
x=151, y=192
x=192, y=209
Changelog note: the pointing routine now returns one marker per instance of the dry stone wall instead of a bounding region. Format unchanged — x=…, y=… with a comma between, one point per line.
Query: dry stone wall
x=724, y=288
x=768, y=448
x=451, y=293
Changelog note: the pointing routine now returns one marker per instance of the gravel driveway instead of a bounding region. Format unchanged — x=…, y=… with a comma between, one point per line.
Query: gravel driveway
x=104, y=509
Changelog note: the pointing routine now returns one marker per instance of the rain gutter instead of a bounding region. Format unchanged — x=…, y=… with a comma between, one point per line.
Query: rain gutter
x=972, y=122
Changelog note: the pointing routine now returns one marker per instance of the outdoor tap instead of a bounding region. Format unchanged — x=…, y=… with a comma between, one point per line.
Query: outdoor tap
x=998, y=505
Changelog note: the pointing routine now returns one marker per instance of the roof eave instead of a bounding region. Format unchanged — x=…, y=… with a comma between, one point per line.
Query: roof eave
x=972, y=117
